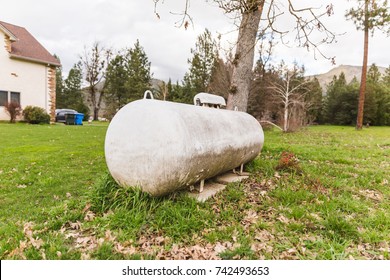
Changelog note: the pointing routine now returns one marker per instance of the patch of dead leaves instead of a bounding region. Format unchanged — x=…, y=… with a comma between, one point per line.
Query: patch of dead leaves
x=372, y=194
x=260, y=246
x=196, y=252
x=147, y=245
x=290, y=254
x=250, y=218
x=30, y=240
x=125, y=249
x=85, y=240
x=264, y=235
x=257, y=191
x=155, y=245
x=19, y=252
x=368, y=251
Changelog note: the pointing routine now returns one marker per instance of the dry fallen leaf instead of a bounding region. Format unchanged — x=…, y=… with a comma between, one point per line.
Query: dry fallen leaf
x=76, y=225
x=372, y=194
x=261, y=247
x=43, y=254
x=85, y=256
x=109, y=236
x=86, y=208
x=37, y=243
x=290, y=254
x=124, y=250
x=27, y=229
x=19, y=252
x=316, y=216
x=264, y=235
x=89, y=216
x=251, y=218
x=219, y=248
x=159, y=240
x=292, y=251
x=283, y=219
x=72, y=235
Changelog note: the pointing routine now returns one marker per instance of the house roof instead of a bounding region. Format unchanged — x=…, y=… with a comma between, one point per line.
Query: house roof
x=25, y=46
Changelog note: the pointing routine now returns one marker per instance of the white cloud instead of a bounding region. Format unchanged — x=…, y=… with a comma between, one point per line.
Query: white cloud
x=65, y=27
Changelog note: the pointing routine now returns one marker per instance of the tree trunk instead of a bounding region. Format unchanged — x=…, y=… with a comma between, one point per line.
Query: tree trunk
x=98, y=105
x=362, y=92
x=285, y=124
x=92, y=96
x=243, y=59
x=95, y=113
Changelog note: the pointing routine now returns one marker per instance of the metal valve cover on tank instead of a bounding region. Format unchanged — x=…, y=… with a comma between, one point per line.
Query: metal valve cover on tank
x=163, y=146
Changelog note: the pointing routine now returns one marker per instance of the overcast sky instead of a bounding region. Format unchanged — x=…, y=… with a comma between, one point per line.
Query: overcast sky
x=65, y=27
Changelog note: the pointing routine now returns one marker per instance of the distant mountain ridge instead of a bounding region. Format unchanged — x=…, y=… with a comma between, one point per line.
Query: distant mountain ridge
x=350, y=72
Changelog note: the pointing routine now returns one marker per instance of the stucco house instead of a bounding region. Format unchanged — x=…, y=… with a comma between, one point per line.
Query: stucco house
x=27, y=71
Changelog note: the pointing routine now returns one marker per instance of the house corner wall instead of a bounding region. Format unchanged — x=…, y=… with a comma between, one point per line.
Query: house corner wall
x=51, y=82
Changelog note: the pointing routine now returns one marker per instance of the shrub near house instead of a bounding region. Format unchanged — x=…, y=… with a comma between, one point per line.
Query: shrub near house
x=35, y=115
x=13, y=109
x=27, y=72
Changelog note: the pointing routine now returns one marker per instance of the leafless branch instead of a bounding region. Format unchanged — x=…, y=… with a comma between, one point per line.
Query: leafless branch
x=186, y=20
x=155, y=8
x=271, y=123
x=308, y=21
x=306, y=26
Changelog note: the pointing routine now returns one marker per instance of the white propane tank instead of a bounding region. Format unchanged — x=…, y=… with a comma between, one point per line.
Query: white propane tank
x=163, y=146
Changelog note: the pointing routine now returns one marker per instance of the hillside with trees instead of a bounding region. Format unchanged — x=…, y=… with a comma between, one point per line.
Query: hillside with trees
x=350, y=72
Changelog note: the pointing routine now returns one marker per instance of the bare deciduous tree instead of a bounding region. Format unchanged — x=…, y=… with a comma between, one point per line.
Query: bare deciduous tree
x=162, y=91
x=290, y=91
x=94, y=63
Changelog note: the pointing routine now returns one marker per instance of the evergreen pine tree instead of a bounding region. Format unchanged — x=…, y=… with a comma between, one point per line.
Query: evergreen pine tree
x=127, y=78
x=368, y=16
x=73, y=95
x=114, y=87
x=138, y=71
x=202, y=63
x=60, y=98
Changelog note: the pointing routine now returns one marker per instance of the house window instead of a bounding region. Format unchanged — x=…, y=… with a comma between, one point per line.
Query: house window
x=3, y=97
x=6, y=96
x=15, y=96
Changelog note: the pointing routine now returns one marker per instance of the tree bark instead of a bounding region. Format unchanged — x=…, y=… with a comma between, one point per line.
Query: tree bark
x=95, y=114
x=362, y=92
x=243, y=59
x=285, y=123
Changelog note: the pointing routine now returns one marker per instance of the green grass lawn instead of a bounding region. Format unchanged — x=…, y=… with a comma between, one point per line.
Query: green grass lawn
x=321, y=193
